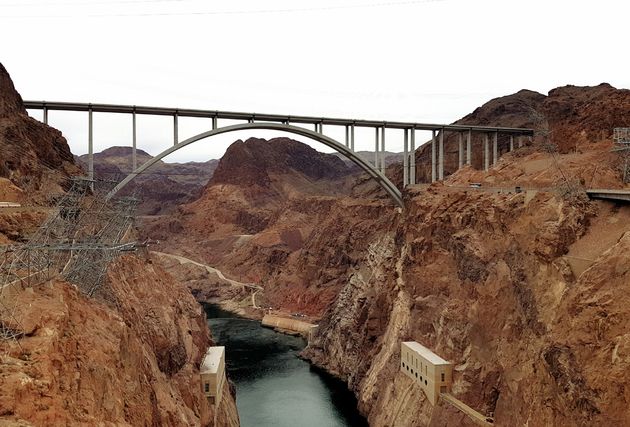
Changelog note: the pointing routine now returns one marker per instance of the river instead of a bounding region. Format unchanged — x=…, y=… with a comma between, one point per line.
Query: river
x=274, y=387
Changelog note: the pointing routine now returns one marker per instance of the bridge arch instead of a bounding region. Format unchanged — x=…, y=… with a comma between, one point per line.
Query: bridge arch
x=379, y=177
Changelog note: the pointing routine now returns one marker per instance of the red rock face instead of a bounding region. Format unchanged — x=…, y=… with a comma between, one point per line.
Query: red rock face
x=576, y=119
x=34, y=156
x=162, y=187
x=83, y=362
x=251, y=162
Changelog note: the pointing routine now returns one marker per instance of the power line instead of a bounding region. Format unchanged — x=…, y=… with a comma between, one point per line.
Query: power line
x=242, y=11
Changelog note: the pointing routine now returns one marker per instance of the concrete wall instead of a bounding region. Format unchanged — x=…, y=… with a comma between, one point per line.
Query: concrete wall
x=288, y=324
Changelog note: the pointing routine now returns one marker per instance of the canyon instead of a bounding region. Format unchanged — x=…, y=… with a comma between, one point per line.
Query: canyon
x=523, y=292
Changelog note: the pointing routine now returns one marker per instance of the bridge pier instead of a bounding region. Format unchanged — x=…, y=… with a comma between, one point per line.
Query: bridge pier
x=351, y=137
x=134, y=158
x=433, y=154
x=460, y=140
x=441, y=157
x=511, y=142
x=347, y=140
x=175, y=129
x=45, y=115
x=90, y=146
x=383, y=149
x=376, y=148
x=469, y=148
x=486, y=153
x=495, y=148
x=412, y=168
x=406, y=158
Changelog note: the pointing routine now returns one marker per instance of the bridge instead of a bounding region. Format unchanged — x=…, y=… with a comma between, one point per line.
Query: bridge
x=294, y=125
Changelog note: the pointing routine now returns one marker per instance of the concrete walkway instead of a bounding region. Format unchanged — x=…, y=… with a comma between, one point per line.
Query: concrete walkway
x=477, y=417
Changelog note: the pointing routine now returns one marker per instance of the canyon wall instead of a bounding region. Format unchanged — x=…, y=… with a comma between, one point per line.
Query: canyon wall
x=133, y=361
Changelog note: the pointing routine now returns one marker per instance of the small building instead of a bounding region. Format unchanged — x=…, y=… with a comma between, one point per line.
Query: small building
x=430, y=371
x=212, y=373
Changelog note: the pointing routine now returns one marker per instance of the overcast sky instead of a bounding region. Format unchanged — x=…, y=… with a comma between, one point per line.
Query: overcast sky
x=428, y=61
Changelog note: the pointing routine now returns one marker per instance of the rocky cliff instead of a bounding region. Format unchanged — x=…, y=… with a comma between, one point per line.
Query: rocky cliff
x=131, y=359
x=135, y=362
x=570, y=120
x=523, y=292
x=162, y=187
x=33, y=156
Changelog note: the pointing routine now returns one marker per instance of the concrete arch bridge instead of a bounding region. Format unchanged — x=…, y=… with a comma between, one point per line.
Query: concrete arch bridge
x=287, y=123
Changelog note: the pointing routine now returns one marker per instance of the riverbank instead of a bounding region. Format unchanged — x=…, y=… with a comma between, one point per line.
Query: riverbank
x=274, y=386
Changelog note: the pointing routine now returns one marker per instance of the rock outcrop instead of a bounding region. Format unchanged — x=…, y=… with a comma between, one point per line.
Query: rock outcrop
x=33, y=156
x=161, y=188
x=85, y=362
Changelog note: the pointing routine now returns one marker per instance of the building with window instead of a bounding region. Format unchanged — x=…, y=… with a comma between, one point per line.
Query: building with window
x=212, y=373
x=430, y=371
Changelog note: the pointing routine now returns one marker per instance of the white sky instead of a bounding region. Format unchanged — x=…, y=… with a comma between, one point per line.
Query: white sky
x=429, y=61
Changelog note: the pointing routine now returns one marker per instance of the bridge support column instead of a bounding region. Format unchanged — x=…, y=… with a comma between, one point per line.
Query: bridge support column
x=511, y=142
x=433, y=154
x=460, y=140
x=486, y=152
x=383, y=149
x=175, y=130
x=45, y=115
x=469, y=148
x=90, y=145
x=214, y=122
x=352, y=137
x=406, y=158
x=441, y=157
x=412, y=159
x=134, y=158
x=495, y=148
x=347, y=140
x=376, y=148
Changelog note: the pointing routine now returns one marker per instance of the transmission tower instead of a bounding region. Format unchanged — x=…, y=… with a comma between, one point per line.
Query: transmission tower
x=621, y=139
x=77, y=242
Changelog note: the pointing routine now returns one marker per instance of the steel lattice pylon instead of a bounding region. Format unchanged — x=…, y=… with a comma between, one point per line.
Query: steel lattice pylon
x=78, y=241
x=621, y=138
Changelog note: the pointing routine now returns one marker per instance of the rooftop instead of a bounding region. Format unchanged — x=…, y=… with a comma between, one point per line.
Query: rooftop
x=426, y=353
x=211, y=360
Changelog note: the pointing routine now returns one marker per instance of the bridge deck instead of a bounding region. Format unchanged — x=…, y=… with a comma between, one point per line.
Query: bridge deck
x=279, y=118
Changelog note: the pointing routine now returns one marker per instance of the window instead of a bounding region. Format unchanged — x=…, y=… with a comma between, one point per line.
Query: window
x=403, y=364
x=207, y=387
x=442, y=376
x=425, y=382
x=416, y=375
